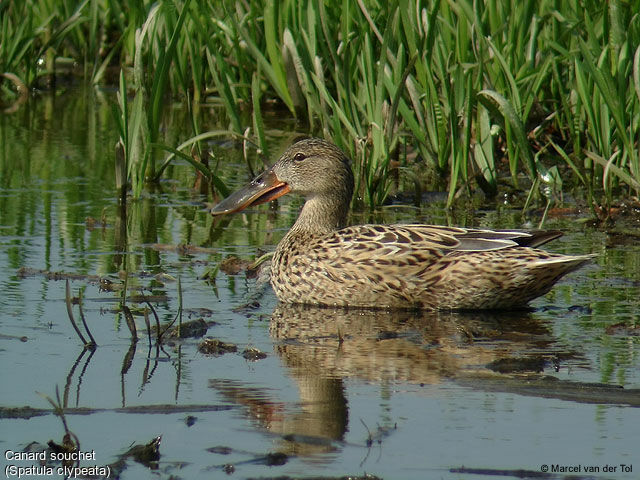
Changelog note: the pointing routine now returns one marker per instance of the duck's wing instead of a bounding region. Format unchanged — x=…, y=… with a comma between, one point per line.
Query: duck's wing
x=475, y=239
x=366, y=252
x=417, y=252
x=428, y=266
x=429, y=238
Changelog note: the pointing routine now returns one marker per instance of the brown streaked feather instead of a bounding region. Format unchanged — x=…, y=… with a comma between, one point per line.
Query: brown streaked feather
x=419, y=266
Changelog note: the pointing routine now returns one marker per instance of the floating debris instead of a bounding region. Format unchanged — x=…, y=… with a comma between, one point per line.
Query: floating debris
x=245, y=307
x=22, y=338
x=253, y=354
x=146, y=454
x=64, y=450
x=164, y=278
x=271, y=459
x=276, y=459
x=516, y=365
x=233, y=265
x=213, y=346
x=220, y=450
x=191, y=329
x=24, y=272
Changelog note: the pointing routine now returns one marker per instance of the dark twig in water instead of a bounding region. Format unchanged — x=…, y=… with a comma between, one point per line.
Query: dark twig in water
x=379, y=434
x=155, y=315
x=128, y=316
x=370, y=437
x=67, y=385
x=81, y=376
x=179, y=306
x=178, y=373
x=368, y=443
x=146, y=375
x=128, y=358
x=148, y=325
x=178, y=316
x=70, y=313
x=126, y=365
x=65, y=402
x=91, y=345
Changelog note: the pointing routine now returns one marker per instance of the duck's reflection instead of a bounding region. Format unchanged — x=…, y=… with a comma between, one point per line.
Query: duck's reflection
x=321, y=347
x=401, y=346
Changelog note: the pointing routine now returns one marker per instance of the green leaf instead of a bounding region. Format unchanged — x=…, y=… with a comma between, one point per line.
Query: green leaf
x=501, y=108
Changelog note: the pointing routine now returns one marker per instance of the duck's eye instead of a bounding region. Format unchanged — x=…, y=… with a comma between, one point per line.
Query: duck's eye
x=298, y=157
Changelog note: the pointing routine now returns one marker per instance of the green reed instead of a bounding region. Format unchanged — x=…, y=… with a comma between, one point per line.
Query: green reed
x=155, y=47
x=471, y=90
x=467, y=86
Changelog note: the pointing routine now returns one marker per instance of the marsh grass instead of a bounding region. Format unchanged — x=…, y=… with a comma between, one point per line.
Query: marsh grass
x=542, y=91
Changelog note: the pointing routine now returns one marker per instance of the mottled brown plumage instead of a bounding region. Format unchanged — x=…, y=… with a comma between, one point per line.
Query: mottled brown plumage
x=322, y=261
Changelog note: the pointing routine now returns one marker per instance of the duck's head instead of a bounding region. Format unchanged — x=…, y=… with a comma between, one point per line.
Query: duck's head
x=312, y=167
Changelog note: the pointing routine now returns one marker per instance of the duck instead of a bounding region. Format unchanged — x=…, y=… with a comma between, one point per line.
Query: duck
x=324, y=261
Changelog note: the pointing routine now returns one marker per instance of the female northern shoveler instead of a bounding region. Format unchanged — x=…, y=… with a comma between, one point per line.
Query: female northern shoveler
x=321, y=261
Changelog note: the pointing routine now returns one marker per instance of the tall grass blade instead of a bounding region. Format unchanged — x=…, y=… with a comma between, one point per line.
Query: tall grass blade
x=609, y=165
x=502, y=109
x=219, y=184
x=258, y=124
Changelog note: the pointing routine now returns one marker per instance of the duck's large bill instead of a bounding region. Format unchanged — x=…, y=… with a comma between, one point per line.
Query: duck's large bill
x=262, y=189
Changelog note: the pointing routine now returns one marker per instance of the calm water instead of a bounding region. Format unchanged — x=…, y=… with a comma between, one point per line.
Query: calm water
x=402, y=396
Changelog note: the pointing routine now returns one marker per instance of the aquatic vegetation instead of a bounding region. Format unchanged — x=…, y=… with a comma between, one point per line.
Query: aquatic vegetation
x=466, y=90
x=154, y=52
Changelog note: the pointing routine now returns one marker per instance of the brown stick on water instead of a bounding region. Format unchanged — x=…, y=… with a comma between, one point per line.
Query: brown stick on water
x=130, y=323
x=70, y=313
x=155, y=315
x=93, y=342
x=148, y=325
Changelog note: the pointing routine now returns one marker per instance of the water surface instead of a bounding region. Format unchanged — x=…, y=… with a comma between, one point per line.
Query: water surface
x=397, y=395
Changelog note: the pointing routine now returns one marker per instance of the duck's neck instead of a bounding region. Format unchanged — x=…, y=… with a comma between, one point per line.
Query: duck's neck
x=321, y=215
